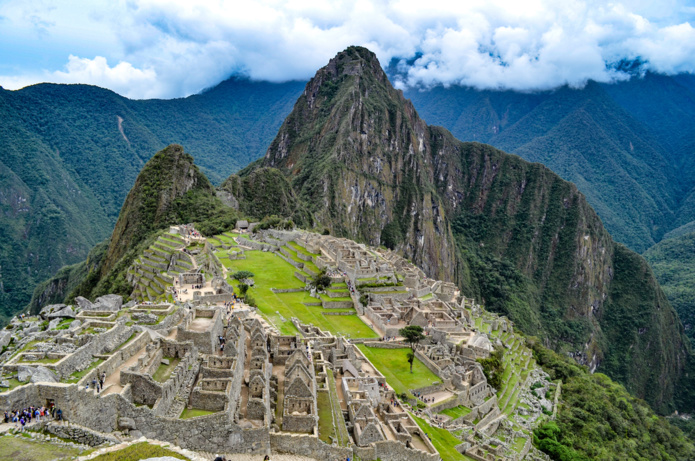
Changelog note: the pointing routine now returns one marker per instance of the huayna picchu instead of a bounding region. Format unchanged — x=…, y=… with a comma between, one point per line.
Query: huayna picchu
x=372, y=288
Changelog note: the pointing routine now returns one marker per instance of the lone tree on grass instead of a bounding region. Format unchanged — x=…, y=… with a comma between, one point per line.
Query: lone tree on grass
x=242, y=276
x=412, y=334
x=321, y=281
x=411, y=359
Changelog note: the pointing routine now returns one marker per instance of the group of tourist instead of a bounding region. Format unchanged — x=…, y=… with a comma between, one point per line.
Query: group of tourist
x=23, y=417
x=98, y=382
x=222, y=341
x=388, y=338
x=423, y=398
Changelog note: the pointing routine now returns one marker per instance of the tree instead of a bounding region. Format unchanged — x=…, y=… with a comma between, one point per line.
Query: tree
x=242, y=275
x=411, y=359
x=412, y=334
x=321, y=281
x=493, y=368
x=243, y=288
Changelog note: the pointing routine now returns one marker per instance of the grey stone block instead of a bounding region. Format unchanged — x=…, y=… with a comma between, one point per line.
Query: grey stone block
x=108, y=303
x=36, y=375
x=84, y=303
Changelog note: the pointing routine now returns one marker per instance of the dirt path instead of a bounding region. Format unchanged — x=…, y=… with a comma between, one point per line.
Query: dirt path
x=112, y=384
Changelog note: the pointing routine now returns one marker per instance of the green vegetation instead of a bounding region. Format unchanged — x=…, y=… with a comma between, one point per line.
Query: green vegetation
x=442, y=440
x=193, y=412
x=65, y=156
x=493, y=368
x=76, y=376
x=413, y=335
x=279, y=308
x=331, y=422
x=456, y=412
x=638, y=188
x=599, y=419
x=25, y=449
x=673, y=262
x=393, y=364
x=164, y=371
x=138, y=451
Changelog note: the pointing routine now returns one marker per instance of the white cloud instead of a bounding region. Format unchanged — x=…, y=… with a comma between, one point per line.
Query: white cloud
x=173, y=48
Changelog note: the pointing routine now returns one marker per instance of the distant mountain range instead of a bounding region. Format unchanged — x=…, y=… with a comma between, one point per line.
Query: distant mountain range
x=628, y=146
x=69, y=154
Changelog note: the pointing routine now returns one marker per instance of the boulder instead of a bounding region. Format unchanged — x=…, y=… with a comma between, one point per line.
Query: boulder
x=53, y=323
x=36, y=375
x=84, y=303
x=108, y=303
x=129, y=304
x=4, y=383
x=51, y=308
x=5, y=338
x=126, y=423
x=65, y=313
x=75, y=325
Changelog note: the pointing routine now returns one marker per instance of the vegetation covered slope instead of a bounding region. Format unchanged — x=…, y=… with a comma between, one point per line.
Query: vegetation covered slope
x=626, y=145
x=673, y=262
x=598, y=419
x=69, y=154
x=169, y=190
x=511, y=233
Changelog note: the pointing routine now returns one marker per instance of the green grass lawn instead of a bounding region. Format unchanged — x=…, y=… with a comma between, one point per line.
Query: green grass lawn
x=300, y=249
x=164, y=371
x=519, y=443
x=193, y=412
x=442, y=440
x=307, y=264
x=271, y=271
x=456, y=412
x=44, y=361
x=326, y=426
x=137, y=452
x=14, y=382
x=24, y=449
x=393, y=364
x=76, y=376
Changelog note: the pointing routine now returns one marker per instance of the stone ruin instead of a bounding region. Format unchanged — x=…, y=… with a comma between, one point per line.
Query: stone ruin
x=263, y=391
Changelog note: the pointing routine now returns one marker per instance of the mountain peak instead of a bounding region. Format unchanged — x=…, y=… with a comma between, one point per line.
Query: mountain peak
x=165, y=179
x=354, y=60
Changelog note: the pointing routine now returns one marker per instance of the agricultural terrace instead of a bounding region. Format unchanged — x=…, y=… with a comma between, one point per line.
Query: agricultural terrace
x=393, y=364
x=271, y=271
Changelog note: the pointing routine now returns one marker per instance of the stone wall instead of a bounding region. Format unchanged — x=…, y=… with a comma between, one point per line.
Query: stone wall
x=209, y=400
x=80, y=434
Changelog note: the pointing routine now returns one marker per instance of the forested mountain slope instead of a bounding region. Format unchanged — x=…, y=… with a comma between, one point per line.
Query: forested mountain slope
x=69, y=154
x=628, y=146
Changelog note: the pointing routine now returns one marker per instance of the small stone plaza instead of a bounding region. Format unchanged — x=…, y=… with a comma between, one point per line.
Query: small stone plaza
x=285, y=369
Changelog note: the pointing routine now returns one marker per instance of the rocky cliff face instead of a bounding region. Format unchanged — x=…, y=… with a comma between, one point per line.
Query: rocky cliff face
x=511, y=233
x=356, y=153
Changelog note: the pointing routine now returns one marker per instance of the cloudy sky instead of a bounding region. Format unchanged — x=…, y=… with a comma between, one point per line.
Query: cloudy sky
x=173, y=48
